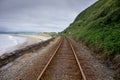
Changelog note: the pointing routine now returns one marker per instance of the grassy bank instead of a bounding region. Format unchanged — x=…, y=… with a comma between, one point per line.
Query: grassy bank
x=99, y=27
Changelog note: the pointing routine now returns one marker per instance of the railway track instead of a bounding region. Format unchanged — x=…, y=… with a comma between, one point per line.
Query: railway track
x=63, y=64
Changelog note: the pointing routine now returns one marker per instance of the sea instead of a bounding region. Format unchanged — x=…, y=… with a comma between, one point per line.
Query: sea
x=9, y=42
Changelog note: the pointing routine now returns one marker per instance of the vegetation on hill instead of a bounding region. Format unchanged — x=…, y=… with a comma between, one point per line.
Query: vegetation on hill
x=48, y=34
x=99, y=27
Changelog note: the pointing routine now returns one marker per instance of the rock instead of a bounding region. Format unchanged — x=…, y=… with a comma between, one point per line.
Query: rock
x=117, y=59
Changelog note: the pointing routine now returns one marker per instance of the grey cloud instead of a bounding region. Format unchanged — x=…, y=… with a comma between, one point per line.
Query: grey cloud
x=39, y=15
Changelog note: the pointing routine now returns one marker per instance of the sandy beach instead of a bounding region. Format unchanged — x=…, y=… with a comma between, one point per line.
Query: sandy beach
x=31, y=39
x=27, y=40
x=32, y=42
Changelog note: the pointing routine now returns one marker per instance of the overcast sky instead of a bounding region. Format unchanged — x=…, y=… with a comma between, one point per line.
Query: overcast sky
x=39, y=15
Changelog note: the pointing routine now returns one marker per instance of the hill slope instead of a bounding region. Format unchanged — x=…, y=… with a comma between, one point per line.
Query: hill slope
x=99, y=27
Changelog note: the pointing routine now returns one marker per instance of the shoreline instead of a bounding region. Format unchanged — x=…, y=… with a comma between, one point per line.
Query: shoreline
x=31, y=44
x=29, y=40
x=10, y=43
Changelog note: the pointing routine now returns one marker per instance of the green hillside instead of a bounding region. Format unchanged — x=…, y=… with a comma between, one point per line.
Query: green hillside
x=99, y=27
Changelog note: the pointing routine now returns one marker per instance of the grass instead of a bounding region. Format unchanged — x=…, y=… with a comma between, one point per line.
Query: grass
x=99, y=26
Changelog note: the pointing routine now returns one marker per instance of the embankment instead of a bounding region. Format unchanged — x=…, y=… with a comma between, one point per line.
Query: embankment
x=98, y=27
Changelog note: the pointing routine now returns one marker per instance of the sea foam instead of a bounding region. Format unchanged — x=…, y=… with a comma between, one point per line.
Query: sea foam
x=8, y=43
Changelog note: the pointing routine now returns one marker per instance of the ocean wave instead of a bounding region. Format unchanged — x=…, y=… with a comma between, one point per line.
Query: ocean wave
x=8, y=43
x=13, y=39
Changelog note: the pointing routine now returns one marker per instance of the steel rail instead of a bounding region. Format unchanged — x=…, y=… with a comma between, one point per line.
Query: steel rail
x=60, y=42
x=79, y=64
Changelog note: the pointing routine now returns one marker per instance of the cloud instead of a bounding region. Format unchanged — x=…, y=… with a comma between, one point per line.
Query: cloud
x=39, y=15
